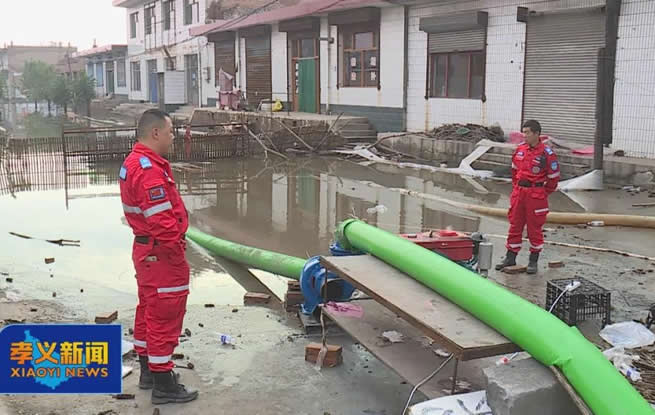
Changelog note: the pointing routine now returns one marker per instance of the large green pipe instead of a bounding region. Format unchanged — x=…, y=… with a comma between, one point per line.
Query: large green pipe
x=538, y=332
x=280, y=264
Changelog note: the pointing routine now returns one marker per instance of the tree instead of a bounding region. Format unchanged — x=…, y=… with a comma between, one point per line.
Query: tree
x=37, y=78
x=61, y=93
x=83, y=92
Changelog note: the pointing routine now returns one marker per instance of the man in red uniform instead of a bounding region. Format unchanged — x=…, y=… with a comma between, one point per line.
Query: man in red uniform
x=535, y=174
x=155, y=212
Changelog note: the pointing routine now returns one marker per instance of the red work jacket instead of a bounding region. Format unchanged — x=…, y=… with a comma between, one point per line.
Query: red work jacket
x=152, y=205
x=537, y=165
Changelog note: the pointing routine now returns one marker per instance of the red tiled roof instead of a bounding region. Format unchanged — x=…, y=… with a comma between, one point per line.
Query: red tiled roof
x=304, y=8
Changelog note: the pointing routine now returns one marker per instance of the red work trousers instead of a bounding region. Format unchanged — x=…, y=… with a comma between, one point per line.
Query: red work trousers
x=528, y=206
x=163, y=286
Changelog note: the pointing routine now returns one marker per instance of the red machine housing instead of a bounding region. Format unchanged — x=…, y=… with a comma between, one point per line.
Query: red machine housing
x=454, y=245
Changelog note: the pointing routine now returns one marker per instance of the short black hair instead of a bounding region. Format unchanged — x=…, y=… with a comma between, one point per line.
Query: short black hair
x=533, y=125
x=148, y=120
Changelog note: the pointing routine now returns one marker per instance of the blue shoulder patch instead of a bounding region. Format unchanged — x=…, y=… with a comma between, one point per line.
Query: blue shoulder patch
x=549, y=151
x=554, y=166
x=145, y=162
x=123, y=173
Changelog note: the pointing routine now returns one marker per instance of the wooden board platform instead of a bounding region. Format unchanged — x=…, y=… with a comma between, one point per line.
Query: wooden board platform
x=453, y=328
x=411, y=360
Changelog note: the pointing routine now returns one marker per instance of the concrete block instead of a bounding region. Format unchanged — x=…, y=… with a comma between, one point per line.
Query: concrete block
x=526, y=387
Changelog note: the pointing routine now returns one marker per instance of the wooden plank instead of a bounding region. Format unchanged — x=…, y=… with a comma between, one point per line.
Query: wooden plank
x=455, y=329
x=411, y=360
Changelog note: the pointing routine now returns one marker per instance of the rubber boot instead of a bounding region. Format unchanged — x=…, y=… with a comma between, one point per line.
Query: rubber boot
x=532, y=265
x=509, y=261
x=167, y=390
x=145, y=378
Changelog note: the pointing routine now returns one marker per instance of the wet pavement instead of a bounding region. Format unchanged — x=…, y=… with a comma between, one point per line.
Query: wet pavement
x=290, y=207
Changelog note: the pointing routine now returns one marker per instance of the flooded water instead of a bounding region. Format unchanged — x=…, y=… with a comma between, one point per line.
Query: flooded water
x=290, y=207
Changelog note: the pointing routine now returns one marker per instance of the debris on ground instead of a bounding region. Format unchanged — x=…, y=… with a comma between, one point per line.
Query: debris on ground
x=293, y=297
x=60, y=242
x=201, y=325
x=54, y=294
x=190, y=365
x=177, y=356
x=34, y=310
x=187, y=332
x=332, y=358
x=235, y=310
x=209, y=306
x=393, y=336
x=155, y=411
x=646, y=366
x=256, y=298
x=106, y=318
x=515, y=269
x=123, y=396
x=49, y=260
x=468, y=132
x=108, y=412
x=441, y=353
x=556, y=264
x=8, y=279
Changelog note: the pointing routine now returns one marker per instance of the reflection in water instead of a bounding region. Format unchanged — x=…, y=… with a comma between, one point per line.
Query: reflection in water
x=290, y=207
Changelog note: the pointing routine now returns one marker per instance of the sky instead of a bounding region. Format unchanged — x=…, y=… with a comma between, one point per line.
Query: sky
x=39, y=22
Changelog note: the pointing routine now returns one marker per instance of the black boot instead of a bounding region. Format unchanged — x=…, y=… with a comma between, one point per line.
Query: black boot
x=145, y=378
x=509, y=261
x=167, y=390
x=532, y=265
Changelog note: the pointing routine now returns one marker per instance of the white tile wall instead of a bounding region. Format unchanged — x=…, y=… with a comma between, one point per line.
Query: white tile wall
x=634, y=91
x=504, y=69
x=279, y=64
x=179, y=43
x=392, y=41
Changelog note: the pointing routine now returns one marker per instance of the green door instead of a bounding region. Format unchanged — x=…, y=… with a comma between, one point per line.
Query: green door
x=307, y=85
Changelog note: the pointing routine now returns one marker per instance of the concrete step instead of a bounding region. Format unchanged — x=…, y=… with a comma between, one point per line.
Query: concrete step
x=505, y=169
x=564, y=158
x=502, y=158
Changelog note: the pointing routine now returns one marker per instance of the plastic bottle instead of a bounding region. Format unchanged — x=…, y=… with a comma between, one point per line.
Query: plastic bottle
x=225, y=339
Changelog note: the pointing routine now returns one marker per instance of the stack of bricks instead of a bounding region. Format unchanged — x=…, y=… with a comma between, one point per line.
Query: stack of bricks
x=332, y=358
x=293, y=297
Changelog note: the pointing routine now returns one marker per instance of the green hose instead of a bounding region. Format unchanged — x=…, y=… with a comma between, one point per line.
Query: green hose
x=538, y=332
x=273, y=262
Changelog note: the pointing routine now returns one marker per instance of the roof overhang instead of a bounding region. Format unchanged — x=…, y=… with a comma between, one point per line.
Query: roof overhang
x=302, y=9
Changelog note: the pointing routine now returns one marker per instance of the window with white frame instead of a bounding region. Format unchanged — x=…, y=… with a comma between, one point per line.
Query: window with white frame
x=134, y=19
x=121, y=78
x=191, y=12
x=168, y=14
x=136, y=76
x=148, y=18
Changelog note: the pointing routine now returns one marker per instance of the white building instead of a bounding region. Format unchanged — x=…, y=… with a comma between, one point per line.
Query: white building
x=107, y=65
x=415, y=65
x=164, y=62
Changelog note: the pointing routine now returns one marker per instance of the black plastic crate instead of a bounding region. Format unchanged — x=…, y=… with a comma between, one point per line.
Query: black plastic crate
x=588, y=302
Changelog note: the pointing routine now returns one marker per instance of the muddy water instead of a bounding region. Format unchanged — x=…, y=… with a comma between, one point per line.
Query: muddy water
x=290, y=207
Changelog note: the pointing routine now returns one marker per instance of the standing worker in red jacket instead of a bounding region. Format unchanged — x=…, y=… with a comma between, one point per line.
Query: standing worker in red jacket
x=156, y=213
x=535, y=174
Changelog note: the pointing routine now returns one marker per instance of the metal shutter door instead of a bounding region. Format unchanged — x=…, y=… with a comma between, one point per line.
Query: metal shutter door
x=224, y=56
x=258, y=69
x=445, y=42
x=561, y=73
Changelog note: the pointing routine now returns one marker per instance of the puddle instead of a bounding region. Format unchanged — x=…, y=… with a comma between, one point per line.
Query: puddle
x=289, y=207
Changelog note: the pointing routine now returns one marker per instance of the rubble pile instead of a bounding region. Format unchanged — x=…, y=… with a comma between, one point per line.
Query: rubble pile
x=468, y=132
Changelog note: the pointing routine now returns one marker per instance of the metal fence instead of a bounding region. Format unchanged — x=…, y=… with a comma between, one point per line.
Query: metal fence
x=84, y=157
